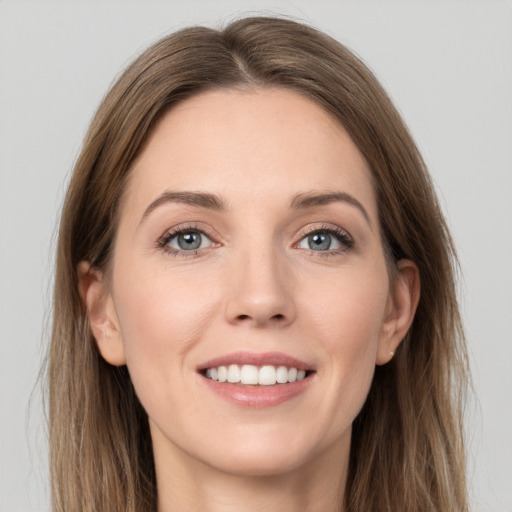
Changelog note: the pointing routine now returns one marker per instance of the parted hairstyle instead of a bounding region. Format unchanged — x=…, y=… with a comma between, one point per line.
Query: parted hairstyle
x=407, y=451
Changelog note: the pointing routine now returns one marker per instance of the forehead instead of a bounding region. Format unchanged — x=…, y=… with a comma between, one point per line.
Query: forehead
x=262, y=143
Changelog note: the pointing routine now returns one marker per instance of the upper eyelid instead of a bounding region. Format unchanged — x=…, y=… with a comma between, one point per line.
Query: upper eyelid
x=331, y=228
x=183, y=228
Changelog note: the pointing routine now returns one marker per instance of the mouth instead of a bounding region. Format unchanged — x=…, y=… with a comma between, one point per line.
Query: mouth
x=257, y=380
x=253, y=375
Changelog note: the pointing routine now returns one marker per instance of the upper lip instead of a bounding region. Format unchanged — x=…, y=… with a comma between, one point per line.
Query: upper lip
x=256, y=359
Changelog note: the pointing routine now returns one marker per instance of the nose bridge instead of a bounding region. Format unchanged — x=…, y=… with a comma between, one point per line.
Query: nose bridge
x=260, y=286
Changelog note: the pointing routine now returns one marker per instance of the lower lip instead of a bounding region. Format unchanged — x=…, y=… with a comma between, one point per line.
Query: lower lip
x=258, y=396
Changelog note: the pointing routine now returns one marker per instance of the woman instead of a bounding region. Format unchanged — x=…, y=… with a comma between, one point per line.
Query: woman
x=238, y=322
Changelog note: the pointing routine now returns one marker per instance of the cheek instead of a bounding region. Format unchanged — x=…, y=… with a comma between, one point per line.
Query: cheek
x=348, y=309
x=346, y=318
x=161, y=308
x=161, y=317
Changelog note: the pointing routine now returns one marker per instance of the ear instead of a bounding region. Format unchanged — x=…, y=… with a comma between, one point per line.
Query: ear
x=401, y=307
x=101, y=314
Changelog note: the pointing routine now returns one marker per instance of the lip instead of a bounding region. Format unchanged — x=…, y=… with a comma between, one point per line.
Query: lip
x=257, y=397
x=256, y=359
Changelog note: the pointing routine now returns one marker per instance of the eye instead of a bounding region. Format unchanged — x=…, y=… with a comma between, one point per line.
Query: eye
x=319, y=242
x=190, y=241
x=185, y=240
x=326, y=239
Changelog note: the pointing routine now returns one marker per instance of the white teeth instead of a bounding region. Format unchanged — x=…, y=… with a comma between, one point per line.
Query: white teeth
x=249, y=374
x=212, y=373
x=282, y=375
x=233, y=373
x=223, y=374
x=267, y=376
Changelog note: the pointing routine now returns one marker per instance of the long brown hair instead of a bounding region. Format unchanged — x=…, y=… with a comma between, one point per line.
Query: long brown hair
x=407, y=449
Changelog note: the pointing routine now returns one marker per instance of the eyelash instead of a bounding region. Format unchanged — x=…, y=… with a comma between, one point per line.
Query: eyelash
x=162, y=242
x=341, y=235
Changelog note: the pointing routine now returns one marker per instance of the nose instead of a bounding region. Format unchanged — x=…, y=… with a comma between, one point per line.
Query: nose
x=260, y=291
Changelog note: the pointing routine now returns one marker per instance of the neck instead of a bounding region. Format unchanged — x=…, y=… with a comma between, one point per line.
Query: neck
x=186, y=484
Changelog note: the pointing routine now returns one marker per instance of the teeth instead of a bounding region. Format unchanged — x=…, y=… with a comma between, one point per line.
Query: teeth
x=249, y=374
x=267, y=375
x=282, y=374
x=223, y=374
x=212, y=373
x=233, y=373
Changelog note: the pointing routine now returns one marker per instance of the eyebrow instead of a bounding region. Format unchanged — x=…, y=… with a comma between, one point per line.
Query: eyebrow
x=214, y=202
x=311, y=199
x=200, y=199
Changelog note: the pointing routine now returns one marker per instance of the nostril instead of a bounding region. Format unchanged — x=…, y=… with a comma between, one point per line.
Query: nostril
x=279, y=316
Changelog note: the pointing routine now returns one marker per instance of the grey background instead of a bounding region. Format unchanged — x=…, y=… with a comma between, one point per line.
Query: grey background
x=447, y=65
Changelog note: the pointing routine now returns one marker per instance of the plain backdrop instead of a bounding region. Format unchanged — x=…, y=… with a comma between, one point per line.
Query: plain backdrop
x=446, y=64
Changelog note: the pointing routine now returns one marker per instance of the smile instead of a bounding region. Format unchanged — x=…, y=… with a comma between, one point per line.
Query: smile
x=248, y=374
x=257, y=380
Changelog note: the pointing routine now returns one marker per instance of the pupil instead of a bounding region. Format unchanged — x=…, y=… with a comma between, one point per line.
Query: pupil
x=319, y=241
x=189, y=241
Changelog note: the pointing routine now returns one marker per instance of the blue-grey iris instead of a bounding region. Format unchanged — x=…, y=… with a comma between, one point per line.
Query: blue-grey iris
x=189, y=241
x=319, y=241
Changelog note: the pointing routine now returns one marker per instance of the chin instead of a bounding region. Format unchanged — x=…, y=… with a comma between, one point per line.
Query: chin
x=250, y=464
x=263, y=454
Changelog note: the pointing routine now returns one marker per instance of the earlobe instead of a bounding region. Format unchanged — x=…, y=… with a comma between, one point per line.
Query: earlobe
x=101, y=314
x=402, y=303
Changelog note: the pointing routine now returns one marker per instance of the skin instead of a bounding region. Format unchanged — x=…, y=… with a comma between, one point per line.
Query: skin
x=254, y=285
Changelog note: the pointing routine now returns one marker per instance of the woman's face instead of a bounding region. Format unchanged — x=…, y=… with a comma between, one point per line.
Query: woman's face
x=249, y=244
